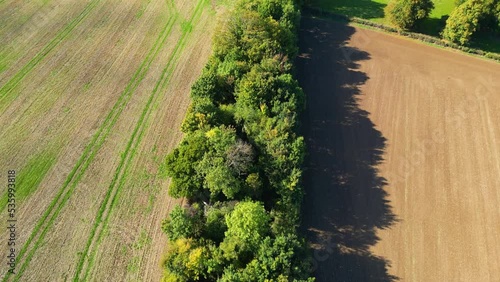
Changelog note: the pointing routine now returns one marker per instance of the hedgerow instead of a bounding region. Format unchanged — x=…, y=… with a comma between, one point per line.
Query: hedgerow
x=240, y=162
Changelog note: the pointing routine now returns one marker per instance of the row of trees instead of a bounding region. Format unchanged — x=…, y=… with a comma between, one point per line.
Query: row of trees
x=239, y=164
x=466, y=19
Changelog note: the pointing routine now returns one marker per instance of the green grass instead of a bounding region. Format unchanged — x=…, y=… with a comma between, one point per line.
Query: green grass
x=30, y=176
x=133, y=264
x=143, y=240
x=366, y=9
x=442, y=8
x=33, y=173
x=374, y=10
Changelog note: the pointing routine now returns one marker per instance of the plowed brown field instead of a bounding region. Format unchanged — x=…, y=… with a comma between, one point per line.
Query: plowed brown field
x=403, y=172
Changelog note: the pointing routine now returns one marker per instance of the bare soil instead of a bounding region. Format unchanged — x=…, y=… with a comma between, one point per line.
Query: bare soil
x=403, y=171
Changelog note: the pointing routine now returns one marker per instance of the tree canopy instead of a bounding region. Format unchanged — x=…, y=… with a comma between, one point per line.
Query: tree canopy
x=471, y=16
x=406, y=14
x=239, y=164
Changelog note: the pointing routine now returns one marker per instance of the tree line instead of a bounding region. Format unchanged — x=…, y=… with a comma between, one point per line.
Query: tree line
x=239, y=163
x=469, y=17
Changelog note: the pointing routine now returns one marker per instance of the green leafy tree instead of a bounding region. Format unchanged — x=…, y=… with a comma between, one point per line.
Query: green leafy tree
x=181, y=164
x=186, y=260
x=268, y=90
x=214, y=84
x=201, y=114
x=280, y=259
x=491, y=19
x=204, y=114
x=219, y=177
x=464, y=21
x=247, y=225
x=247, y=38
x=283, y=11
x=470, y=17
x=183, y=223
x=406, y=14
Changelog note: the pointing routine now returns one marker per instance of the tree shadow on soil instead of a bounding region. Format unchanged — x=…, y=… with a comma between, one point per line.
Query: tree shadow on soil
x=345, y=201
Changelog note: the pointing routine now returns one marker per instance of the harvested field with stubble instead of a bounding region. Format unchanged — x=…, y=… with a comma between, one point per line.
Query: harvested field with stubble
x=92, y=95
x=403, y=171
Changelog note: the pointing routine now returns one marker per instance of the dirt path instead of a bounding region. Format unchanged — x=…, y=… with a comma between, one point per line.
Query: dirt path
x=404, y=158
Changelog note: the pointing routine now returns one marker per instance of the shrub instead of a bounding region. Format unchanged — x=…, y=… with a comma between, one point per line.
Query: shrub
x=185, y=261
x=469, y=17
x=181, y=164
x=405, y=14
x=247, y=225
x=183, y=223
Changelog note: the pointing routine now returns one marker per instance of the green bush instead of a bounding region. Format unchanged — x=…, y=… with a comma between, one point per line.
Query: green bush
x=494, y=56
x=463, y=22
x=275, y=260
x=471, y=16
x=215, y=226
x=405, y=14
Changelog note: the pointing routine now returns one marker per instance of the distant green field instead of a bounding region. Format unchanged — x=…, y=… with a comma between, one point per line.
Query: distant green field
x=374, y=10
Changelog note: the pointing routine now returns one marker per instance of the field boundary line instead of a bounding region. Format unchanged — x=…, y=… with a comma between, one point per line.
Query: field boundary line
x=128, y=156
x=92, y=148
x=7, y=88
